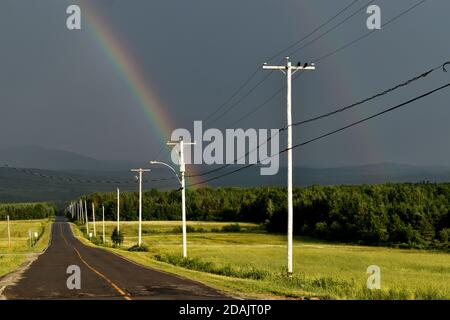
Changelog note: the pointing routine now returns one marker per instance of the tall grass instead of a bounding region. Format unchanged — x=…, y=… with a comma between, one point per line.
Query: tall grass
x=253, y=264
x=12, y=256
x=245, y=272
x=325, y=287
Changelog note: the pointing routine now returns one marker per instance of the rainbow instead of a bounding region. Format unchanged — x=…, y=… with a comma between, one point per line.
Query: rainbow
x=147, y=100
x=128, y=70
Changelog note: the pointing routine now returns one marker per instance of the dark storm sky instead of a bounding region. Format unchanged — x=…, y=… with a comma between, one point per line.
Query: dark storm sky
x=58, y=90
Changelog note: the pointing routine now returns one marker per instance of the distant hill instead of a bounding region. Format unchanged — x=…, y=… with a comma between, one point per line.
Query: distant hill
x=364, y=174
x=49, y=159
x=23, y=185
x=62, y=175
x=20, y=185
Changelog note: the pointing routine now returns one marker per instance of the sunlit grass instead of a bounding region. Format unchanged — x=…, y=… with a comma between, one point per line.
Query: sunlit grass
x=252, y=264
x=11, y=256
x=168, y=228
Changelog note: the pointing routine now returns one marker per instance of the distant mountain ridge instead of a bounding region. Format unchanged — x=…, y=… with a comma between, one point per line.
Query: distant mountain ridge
x=17, y=185
x=52, y=159
x=364, y=174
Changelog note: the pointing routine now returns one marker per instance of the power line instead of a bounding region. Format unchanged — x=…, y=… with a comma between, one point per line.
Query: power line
x=401, y=14
x=347, y=45
x=270, y=58
x=253, y=74
x=331, y=29
x=328, y=114
x=408, y=82
x=261, y=105
x=328, y=133
x=312, y=32
x=279, y=91
x=79, y=180
x=372, y=116
x=160, y=151
x=234, y=105
x=234, y=94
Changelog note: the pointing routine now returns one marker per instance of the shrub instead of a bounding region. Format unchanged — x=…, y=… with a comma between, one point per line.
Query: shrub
x=97, y=241
x=444, y=234
x=136, y=248
x=209, y=267
x=117, y=237
x=189, y=229
x=321, y=229
x=235, y=227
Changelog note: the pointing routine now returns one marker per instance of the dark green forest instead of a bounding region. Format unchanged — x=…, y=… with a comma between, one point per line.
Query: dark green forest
x=25, y=211
x=409, y=215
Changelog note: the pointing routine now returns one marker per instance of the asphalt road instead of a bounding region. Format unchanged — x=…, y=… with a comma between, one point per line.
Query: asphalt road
x=103, y=275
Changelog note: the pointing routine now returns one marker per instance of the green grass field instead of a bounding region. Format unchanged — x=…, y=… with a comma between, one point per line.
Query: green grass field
x=130, y=229
x=251, y=263
x=13, y=256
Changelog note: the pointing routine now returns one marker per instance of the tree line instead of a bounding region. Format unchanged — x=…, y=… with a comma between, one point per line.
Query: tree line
x=404, y=214
x=26, y=211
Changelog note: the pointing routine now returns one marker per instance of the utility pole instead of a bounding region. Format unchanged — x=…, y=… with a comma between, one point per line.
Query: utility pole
x=118, y=210
x=140, y=171
x=289, y=70
x=87, y=219
x=181, y=144
x=93, y=218
x=103, y=210
x=9, y=232
x=81, y=212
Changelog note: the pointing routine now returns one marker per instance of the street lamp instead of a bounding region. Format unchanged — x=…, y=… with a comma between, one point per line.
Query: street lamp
x=167, y=165
x=183, y=201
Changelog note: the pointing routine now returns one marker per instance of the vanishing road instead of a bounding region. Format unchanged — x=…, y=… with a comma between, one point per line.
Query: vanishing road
x=103, y=275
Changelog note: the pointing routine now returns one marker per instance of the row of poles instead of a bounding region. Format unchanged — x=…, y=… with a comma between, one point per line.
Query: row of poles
x=181, y=178
x=79, y=210
x=288, y=70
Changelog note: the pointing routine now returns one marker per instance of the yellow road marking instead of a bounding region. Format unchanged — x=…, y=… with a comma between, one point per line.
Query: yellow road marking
x=62, y=235
x=116, y=287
